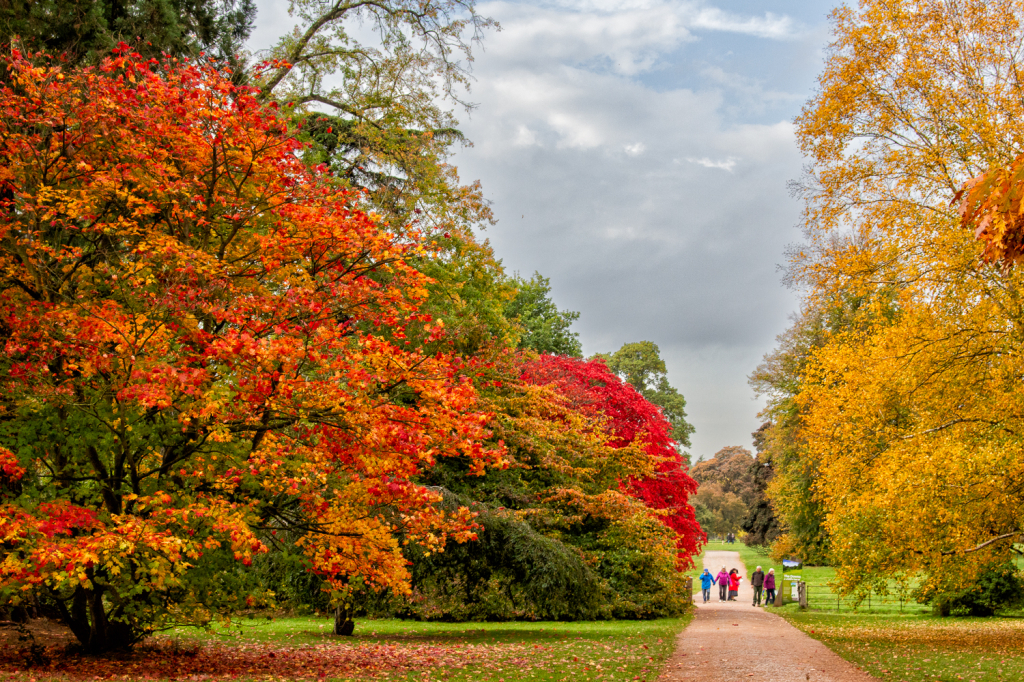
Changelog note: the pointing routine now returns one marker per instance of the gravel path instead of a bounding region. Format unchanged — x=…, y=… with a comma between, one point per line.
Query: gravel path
x=732, y=641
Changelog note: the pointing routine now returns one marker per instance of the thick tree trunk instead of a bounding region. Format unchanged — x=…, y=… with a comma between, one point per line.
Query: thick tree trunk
x=343, y=624
x=91, y=624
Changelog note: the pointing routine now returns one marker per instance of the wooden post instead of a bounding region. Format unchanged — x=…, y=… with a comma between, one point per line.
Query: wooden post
x=802, y=592
x=689, y=587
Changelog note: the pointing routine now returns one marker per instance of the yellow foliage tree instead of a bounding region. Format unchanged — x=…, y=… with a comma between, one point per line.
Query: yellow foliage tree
x=910, y=410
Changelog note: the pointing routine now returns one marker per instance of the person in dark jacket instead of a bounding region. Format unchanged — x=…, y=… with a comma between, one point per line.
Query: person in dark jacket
x=706, y=581
x=769, y=587
x=757, y=582
x=723, y=584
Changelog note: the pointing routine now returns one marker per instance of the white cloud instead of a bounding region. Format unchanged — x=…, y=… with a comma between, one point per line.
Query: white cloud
x=768, y=26
x=723, y=164
x=524, y=137
x=627, y=38
x=600, y=180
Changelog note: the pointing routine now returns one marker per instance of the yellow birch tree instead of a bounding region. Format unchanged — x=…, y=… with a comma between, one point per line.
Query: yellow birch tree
x=912, y=415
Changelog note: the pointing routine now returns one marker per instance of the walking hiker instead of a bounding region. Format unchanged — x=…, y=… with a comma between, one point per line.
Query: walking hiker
x=757, y=581
x=769, y=586
x=706, y=581
x=734, y=584
x=723, y=585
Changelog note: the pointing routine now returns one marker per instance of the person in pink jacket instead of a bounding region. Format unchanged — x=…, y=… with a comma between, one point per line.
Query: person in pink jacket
x=723, y=584
x=769, y=587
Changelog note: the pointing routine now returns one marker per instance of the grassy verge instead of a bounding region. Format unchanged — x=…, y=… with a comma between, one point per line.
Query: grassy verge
x=920, y=648
x=605, y=650
x=288, y=649
x=821, y=597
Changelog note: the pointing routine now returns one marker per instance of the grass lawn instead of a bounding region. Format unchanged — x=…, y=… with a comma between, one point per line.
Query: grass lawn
x=821, y=597
x=920, y=648
x=752, y=557
x=602, y=650
x=303, y=649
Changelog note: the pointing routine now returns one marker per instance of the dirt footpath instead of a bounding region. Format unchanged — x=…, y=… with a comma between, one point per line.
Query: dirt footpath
x=732, y=641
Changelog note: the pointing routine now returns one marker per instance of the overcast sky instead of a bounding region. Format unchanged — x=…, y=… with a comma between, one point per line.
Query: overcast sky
x=637, y=153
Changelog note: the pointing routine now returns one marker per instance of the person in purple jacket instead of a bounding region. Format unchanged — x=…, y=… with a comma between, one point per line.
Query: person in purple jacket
x=769, y=587
x=723, y=584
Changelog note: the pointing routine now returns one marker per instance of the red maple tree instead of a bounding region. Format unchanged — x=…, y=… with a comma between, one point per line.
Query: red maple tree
x=592, y=388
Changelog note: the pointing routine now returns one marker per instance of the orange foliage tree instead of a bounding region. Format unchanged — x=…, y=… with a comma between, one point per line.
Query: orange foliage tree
x=203, y=347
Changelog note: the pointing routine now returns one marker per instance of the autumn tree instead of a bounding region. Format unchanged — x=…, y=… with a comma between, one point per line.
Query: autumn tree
x=632, y=421
x=726, y=489
x=906, y=412
x=780, y=378
x=640, y=365
x=589, y=519
x=202, y=351
x=730, y=470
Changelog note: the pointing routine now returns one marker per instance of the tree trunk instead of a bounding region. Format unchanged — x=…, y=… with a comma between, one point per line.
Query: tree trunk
x=343, y=624
x=92, y=626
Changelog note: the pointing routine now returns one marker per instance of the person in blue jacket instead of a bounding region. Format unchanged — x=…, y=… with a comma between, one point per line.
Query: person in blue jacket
x=706, y=581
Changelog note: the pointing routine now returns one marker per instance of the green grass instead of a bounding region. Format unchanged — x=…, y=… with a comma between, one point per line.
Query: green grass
x=822, y=597
x=921, y=648
x=546, y=651
x=752, y=557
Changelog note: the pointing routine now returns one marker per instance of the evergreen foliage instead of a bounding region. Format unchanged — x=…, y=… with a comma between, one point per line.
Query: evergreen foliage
x=544, y=328
x=86, y=32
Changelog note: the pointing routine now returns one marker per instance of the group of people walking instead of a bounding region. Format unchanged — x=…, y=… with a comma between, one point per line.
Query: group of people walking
x=729, y=585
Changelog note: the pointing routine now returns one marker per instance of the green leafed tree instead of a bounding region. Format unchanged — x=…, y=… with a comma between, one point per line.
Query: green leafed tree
x=640, y=365
x=761, y=524
x=380, y=114
x=85, y=32
x=544, y=328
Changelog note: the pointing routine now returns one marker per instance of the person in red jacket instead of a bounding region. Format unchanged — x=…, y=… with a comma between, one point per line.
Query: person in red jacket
x=723, y=584
x=734, y=584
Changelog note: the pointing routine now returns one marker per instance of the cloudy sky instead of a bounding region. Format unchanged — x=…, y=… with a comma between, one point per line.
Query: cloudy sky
x=637, y=153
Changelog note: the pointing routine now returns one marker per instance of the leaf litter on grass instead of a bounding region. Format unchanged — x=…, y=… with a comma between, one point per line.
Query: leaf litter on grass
x=925, y=649
x=266, y=661
x=168, y=660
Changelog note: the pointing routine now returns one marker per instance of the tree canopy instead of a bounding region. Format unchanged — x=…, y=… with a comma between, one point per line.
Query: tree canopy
x=86, y=32
x=197, y=354
x=896, y=393
x=640, y=365
x=545, y=328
